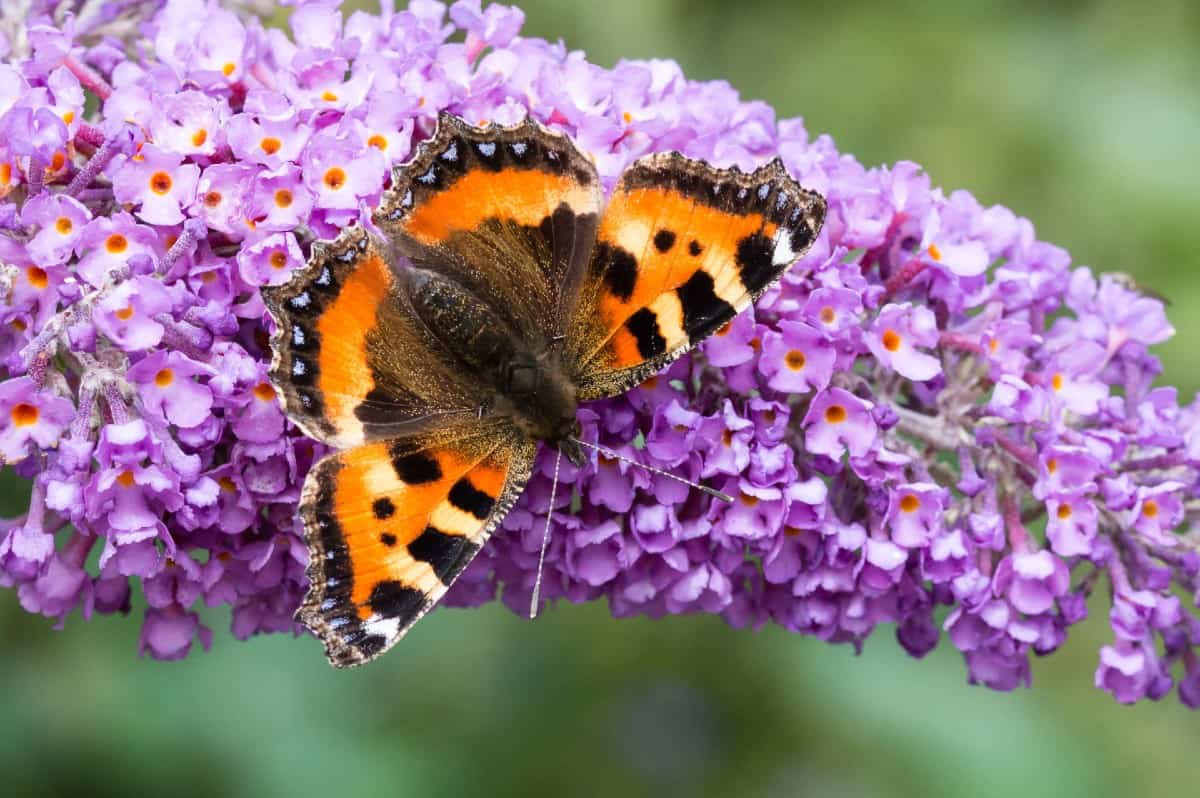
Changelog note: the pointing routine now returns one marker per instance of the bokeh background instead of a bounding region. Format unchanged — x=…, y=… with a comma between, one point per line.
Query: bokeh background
x=1082, y=115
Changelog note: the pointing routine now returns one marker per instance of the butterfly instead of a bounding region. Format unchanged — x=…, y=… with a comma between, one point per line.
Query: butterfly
x=500, y=291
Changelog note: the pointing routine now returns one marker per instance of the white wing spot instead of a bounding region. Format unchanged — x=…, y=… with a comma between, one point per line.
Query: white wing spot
x=488, y=148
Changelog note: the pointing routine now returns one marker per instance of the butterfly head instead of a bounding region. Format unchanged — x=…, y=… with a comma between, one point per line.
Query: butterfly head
x=541, y=402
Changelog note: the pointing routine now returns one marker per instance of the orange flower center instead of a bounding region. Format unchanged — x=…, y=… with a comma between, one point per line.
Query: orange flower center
x=756, y=344
x=828, y=315
x=199, y=137
x=64, y=225
x=993, y=345
x=116, y=244
x=329, y=96
x=1064, y=512
x=1057, y=382
x=1150, y=508
x=270, y=145
x=283, y=198
x=125, y=479
x=213, y=198
x=24, y=415
x=1051, y=465
x=208, y=277
x=264, y=392
x=227, y=484
x=58, y=161
x=727, y=438
x=125, y=313
x=37, y=277
x=749, y=500
x=19, y=325
x=278, y=259
x=160, y=182
x=164, y=378
x=910, y=503
x=891, y=340
x=335, y=178
x=5, y=173
x=835, y=414
x=934, y=252
x=792, y=531
x=228, y=69
x=378, y=142
x=795, y=359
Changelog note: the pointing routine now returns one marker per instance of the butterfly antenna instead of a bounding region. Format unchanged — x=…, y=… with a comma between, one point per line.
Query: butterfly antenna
x=716, y=494
x=537, y=582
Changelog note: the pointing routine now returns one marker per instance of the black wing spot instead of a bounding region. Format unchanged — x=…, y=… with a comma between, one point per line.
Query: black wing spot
x=392, y=599
x=440, y=550
x=417, y=468
x=643, y=325
x=754, y=261
x=664, y=239
x=703, y=310
x=802, y=236
x=694, y=248
x=383, y=508
x=387, y=539
x=620, y=270
x=471, y=499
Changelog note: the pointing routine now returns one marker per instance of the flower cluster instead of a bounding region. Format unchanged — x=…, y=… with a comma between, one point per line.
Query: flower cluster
x=934, y=421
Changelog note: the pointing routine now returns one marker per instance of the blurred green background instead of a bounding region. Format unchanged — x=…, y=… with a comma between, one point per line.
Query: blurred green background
x=1083, y=116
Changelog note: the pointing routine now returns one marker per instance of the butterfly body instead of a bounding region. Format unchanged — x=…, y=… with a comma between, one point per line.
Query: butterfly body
x=530, y=388
x=503, y=292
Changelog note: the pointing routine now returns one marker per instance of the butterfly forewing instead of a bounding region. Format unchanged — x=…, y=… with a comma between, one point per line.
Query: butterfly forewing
x=682, y=248
x=509, y=213
x=351, y=360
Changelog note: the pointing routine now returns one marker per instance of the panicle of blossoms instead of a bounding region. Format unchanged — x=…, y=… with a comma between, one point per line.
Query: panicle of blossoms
x=934, y=415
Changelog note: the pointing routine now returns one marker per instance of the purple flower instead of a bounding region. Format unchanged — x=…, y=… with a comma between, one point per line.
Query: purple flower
x=61, y=220
x=30, y=418
x=914, y=514
x=158, y=182
x=166, y=387
x=1032, y=581
x=837, y=422
x=127, y=314
x=895, y=335
x=796, y=359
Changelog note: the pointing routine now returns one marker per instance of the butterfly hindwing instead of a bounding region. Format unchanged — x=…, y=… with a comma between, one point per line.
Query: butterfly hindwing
x=391, y=524
x=351, y=361
x=509, y=213
x=682, y=248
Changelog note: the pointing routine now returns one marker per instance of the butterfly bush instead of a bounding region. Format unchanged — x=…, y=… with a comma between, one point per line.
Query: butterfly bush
x=935, y=422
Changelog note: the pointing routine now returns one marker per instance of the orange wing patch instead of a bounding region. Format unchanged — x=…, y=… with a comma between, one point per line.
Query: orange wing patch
x=392, y=524
x=343, y=371
x=682, y=248
x=525, y=197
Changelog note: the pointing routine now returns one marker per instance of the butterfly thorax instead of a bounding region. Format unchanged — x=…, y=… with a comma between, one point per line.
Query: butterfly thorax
x=529, y=385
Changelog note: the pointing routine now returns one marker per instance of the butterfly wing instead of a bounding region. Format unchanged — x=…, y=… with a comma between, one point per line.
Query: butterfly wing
x=509, y=213
x=351, y=360
x=682, y=248
x=391, y=524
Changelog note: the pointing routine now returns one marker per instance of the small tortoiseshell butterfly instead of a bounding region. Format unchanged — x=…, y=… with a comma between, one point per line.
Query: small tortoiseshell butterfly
x=504, y=292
